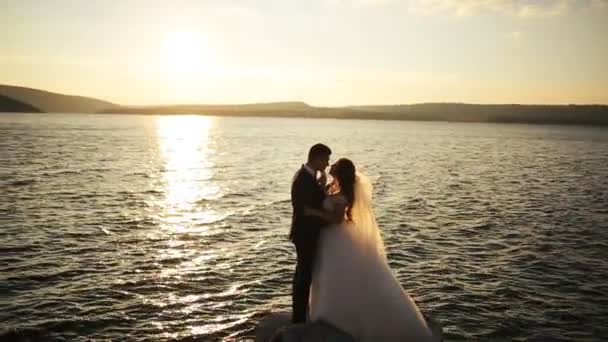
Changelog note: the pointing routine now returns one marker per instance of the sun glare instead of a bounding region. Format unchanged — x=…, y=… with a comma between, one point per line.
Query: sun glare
x=185, y=147
x=185, y=53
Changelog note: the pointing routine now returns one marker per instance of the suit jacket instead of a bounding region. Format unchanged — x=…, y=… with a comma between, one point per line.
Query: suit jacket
x=305, y=192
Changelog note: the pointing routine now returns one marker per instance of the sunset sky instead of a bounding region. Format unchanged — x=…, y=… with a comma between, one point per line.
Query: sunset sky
x=323, y=52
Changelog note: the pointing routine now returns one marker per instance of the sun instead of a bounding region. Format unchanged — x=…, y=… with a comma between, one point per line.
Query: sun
x=185, y=53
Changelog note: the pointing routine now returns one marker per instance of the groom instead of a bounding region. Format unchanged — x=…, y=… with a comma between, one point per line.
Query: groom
x=306, y=191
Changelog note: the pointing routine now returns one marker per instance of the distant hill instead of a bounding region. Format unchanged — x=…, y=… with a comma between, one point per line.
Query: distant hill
x=503, y=113
x=52, y=102
x=10, y=105
x=253, y=109
x=454, y=112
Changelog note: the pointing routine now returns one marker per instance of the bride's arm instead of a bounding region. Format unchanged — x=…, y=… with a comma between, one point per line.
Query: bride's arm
x=335, y=216
x=330, y=188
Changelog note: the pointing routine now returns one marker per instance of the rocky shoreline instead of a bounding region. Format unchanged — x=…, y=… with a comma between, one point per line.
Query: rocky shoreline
x=277, y=327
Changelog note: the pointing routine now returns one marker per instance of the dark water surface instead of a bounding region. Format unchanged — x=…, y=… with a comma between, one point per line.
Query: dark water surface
x=154, y=228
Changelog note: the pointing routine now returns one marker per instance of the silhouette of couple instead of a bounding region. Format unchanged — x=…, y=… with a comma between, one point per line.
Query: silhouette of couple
x=342, y=275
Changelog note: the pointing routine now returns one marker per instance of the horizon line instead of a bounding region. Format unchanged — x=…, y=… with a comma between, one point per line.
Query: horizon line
x=301, y=102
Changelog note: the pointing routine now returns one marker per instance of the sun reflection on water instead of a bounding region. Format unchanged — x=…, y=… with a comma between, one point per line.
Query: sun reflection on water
x=185, y=147
x=186, y=219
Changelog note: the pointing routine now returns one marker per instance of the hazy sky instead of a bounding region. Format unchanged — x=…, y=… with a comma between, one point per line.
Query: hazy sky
x=324, y=52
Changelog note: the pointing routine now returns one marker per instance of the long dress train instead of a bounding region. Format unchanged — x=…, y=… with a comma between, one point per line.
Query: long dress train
x=353, y=286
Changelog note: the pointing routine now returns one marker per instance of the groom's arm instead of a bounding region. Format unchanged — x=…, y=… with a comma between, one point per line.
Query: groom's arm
x=307, y=194
x=302, y=193
x=335, y=216
x=296, y=193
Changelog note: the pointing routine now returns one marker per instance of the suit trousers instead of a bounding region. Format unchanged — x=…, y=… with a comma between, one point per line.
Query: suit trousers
x=302, y=279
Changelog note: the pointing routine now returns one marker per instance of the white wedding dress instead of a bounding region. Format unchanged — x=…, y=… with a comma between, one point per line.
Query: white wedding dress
x=353, y=287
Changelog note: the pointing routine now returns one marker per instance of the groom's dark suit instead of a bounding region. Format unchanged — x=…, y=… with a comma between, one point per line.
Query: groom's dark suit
x=305, y=192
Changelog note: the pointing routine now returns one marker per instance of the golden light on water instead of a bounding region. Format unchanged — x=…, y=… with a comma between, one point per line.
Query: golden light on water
x=184, y=146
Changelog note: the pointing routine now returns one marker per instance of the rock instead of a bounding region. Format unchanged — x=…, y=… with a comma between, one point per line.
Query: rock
x=435, y=328
x=277, y=327
x=270, y=324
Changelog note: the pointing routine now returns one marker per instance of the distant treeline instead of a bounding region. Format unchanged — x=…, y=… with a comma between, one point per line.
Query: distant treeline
x=534, y=114
x=20, y=99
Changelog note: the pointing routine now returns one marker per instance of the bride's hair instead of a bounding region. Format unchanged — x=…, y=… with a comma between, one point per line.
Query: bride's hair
x=345, y=173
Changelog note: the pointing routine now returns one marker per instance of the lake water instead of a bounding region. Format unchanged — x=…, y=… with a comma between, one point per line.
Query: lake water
x=175, y=227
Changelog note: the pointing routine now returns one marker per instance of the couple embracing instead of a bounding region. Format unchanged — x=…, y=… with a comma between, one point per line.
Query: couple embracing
x=342, y=274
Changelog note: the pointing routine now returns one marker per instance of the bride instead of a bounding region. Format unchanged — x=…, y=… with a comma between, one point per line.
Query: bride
x=353, y=287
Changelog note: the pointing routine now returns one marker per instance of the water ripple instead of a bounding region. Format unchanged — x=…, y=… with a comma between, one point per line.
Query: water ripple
x=175, y=228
